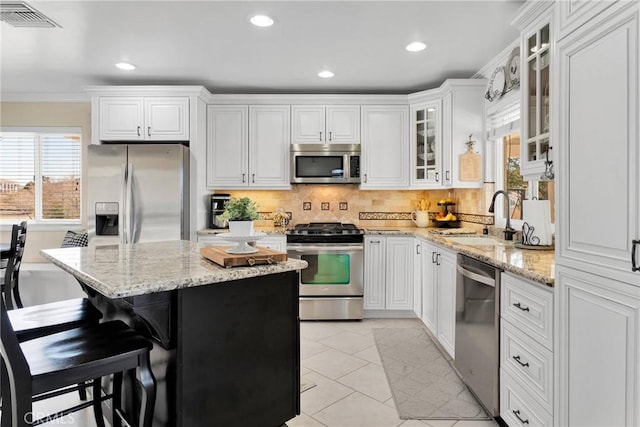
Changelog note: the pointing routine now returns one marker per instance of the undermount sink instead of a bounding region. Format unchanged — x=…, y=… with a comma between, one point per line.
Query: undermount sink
x=475, y=240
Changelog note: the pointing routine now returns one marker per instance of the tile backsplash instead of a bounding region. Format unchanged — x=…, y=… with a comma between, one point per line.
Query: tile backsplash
x=345, y=203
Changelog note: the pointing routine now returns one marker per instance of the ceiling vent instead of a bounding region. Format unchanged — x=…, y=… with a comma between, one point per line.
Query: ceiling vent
x=20, y=14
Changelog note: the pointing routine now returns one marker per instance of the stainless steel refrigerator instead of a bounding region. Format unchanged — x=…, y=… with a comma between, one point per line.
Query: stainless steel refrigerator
x=138, y=193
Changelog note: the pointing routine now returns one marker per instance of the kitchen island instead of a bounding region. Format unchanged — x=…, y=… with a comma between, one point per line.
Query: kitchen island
x=226, y=341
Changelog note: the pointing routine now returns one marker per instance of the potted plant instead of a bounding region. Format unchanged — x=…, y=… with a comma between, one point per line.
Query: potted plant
x=240, y=212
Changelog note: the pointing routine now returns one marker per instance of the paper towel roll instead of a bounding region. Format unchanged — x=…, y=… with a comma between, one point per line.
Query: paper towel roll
x=537, y=214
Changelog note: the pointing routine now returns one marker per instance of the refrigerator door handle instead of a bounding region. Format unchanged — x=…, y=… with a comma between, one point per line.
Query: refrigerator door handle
x=131, y=209
x=122, y=211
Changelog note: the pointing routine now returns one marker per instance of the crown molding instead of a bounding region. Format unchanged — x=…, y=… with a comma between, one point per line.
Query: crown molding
x=44, y=97
x=496, y=61
x=150, y=90
x=309, y=99
x=529, y=11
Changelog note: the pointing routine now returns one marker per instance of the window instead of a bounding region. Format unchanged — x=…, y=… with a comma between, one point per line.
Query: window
x=40, y=172
x=508, y=178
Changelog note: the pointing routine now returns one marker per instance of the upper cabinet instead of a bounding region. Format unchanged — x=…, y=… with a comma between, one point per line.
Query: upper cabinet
x=385, y=147
x=535, y=53
x=143, y=118
x=325, y=124
x=248, y=146
x=442, y=121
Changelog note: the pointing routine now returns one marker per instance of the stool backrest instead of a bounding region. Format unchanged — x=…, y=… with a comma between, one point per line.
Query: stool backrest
x=18, y=240
x=14, y=360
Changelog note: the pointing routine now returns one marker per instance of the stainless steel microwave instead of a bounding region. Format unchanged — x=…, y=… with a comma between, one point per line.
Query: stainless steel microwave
x=325, y=163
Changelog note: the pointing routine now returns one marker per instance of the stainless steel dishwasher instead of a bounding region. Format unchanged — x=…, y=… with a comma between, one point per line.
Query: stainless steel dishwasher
x=478, y=330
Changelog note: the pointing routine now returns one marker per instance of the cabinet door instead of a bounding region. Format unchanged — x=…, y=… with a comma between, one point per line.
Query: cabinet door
x=429, y=288
x=166, y=118
x=446, y=264
x=399, y=274
x=227, y=146
x=385, y=147
x=343, y=124
x=374, y=272
x=426, y=144
x=121, y=119
x=605, y=50
x=417, y=277
x=599, y=354
x=308, y=124
x=269, y=140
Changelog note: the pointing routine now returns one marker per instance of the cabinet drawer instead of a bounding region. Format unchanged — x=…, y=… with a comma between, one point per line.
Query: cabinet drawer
x=529, y=307
x=529, y=362
x=517, y=408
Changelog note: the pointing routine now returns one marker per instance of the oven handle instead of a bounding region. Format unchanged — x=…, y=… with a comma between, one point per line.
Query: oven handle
x=477, y=277
x=305, y=248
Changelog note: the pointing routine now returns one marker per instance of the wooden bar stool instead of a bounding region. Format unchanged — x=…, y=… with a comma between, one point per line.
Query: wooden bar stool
x=67, y=361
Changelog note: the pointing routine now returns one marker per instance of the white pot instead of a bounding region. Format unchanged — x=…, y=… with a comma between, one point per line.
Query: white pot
x=241, y=228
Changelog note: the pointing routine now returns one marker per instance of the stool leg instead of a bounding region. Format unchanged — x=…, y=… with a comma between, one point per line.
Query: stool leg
x=16, y=294
x=18, y=413
x=82, y=392
x=116, y=400
x=97, y=403
x=148, y=382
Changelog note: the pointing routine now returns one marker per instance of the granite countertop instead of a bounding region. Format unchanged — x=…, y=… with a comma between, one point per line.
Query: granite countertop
x=118, y=271
x=535, y=265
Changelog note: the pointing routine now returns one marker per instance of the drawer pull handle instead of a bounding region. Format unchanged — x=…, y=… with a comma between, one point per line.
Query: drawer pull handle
x=518, y=305
x=634, y=243
x=517, y=414
x=517, y=359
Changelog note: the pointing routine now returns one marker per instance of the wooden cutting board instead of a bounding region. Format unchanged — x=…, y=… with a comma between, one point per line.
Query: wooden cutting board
x=264, y=255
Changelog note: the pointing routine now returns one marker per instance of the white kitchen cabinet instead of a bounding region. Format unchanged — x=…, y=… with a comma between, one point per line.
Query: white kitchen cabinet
x=385, y=147
x=599, y=354
x=388, y=272
x=526, y=351
x=439, y=294
x=417, y=277
x=325, y=124
x=248, y=146
x=272, y=241
x=536, y=38
x=598, y=307
x=143, y=118
x=426, y=145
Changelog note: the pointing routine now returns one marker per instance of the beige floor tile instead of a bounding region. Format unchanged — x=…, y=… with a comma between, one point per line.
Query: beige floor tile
x=84, y=418
x=348, y=342
x=370, y=354
x=315, y=330
x=322, y=395
x=358, y=410
x=439, y=423
x=333, y=363
x=303, y=420
x=370, y=380
x=470, y=423
x=413, y=423
x=310, y=348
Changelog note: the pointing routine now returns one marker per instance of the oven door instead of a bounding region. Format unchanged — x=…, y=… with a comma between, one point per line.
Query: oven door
x=334, y=269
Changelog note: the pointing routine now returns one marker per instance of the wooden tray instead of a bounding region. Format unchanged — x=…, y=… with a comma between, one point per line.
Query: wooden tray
x=264, y=255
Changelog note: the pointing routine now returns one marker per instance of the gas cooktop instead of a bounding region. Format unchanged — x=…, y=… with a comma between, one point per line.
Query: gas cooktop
x=325, y=228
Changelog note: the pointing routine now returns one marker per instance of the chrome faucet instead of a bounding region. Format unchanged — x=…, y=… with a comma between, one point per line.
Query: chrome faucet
x=508, y=230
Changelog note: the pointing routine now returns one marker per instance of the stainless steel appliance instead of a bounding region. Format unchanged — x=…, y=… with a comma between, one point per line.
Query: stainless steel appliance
x=218, y=202
x=138, y=193
x=333, y=284
x=478, y=330
x=325, y=163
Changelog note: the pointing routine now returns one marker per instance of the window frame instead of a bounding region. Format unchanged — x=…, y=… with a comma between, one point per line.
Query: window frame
x=39, y=223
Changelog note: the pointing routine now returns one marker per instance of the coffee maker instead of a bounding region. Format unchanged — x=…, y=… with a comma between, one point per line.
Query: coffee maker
x=218, y=202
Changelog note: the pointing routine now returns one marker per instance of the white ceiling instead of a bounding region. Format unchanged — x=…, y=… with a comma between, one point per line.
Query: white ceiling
x=211, y=43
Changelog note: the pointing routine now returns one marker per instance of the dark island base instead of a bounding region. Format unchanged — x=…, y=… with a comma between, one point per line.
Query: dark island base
x=225, y=354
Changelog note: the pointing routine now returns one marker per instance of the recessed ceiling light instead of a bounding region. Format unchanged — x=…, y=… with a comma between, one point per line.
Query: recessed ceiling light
x=325, y=74
x=416, y=47
x=261, y=20
x=125, y=66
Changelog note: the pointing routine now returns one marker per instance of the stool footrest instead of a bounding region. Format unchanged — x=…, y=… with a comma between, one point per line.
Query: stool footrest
x=71, y=410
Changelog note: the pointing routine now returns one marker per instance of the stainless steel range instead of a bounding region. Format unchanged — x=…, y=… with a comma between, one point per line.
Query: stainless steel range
x=333, y=284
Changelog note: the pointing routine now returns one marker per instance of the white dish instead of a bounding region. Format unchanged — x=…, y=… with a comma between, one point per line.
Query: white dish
x=242, y=246
x=253, y=238
x=497, y=84
x=513, y=69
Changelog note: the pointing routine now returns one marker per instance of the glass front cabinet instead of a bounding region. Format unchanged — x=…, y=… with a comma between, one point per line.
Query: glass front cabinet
x=536, y=54
x=426, y=145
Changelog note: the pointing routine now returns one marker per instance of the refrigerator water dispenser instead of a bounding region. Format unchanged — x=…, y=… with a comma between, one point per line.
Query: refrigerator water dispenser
x=107, y=219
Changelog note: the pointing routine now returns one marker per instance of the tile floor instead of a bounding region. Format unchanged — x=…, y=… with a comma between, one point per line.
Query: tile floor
x=351, y=387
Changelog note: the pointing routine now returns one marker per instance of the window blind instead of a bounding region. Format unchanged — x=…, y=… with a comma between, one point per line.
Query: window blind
x=40, y=176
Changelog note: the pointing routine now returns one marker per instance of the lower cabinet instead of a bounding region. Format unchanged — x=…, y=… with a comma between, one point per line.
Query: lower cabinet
x=599, y=355
x=526, y=353
x=439, y=294
x=275, y=242
x=388, y=273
